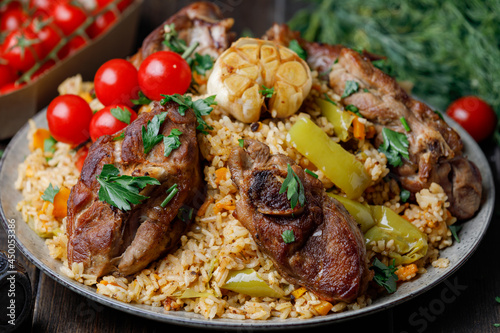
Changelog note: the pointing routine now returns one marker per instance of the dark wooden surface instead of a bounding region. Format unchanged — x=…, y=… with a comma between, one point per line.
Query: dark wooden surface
x=463, y=303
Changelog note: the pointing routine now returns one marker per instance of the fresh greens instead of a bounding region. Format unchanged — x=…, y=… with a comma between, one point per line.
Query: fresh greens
x=241, y=143
x=172, y=40
x=201, y=63
x=295, y=47
x=267, y=92
x=201, y=107
x=288, y=236
x=122, y=115
x=455, y=229
x=121, y=191
x=404, y=195
x=384, y=275
x=172, y=141
x=353, y=109
x=151, y=136
x=142, y=100
x=311, y=173
x=350, y=88
x=50, y=193
x=171, y=192
x=405, y=124
x=48, y=145
x=394, y=147
x=293, y=187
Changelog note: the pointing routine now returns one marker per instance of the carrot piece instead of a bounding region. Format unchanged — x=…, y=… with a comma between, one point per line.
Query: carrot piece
x=358, y=129
x=370, y=133
x=61, y=203
x=39, y=137
x=299, y=292
x=323, y=308
x=204, y=207
x=220, y=175
x=407, y=272
x=220, y=206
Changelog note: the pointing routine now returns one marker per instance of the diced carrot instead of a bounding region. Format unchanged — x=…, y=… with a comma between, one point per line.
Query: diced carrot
x=203, y=208
x=358, y=129
x=220, y=206
x=200, y=79
x=44, y=208
x=370, y=132
x=104, y=282
x=323, y=308
x=406, y=272
x=39, y=137
x=220, y=175
x=299, y=292
x=61, y=203
x=86, y=96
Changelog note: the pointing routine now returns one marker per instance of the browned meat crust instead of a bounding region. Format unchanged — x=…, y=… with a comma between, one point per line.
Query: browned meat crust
x=200, y=22
x=106, y=239
x=435, y=149
x=328, y=255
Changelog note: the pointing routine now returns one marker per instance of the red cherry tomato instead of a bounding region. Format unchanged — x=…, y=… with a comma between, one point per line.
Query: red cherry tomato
x=116, y=83
x=21, y=48
x=474, y=115
x=69, y=118
x=101, y=24
x=71, y=47
x=10, y=87
x=164, y=72
x=41, y=7
x=80, y=157
x=10, y=5
x=121, y=5
x=13, y=18
x=7, y=74
x=47, y=34
x=104, y=123
x=68, y=17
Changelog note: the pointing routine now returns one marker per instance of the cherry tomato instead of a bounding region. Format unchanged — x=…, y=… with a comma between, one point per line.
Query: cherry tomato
x=104, y=123
x=101, y=24
x=10, y=87
x=474, y=115
x=116, y=83
x=13, y=18
x=68, y=17
x=21, y=48
x=121, y=5
x=41, y=7
x=80, y=157
x=7, y=74
x=71, y=47
x=164, y=72
x=10, y=5
x=69, y=118
x=47, y=34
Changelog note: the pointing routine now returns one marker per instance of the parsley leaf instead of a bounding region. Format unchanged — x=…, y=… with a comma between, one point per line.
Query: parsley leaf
x=455, y=229
x=241, y=142
x=122, y=115
x=294, y=189
x=288, y=236
x=353, y=109
x=350, y=88
x=295, y=47
x=121, y=191
x=50, y=193
x=394, y=147
x=201, y=63
x=48, y=145
x=384, y=276
x=142, y=100
x=267, y=92
x=201, y=107
x=172, y=141
x=404, y=195
x=150, y=136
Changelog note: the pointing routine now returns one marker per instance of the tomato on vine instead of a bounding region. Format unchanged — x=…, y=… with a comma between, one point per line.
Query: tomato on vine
x=68, y=17
x=7, y=74
x=46, y=33
x=21, y=49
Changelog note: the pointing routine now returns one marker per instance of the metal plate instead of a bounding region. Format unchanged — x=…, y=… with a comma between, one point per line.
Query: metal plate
x=34, y=248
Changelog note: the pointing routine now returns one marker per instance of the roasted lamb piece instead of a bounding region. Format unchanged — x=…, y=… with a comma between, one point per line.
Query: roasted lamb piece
x=435, y=149
x=200, y=22
x=328, y=254
x=107, y=239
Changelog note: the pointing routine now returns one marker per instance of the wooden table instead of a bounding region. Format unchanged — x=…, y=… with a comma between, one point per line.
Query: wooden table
x=463, y=303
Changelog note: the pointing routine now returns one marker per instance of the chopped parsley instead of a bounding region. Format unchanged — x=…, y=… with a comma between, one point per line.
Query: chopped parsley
x=267, y=92
x=201, y=107
x=142, y=100
x=172, y=141
x=439, y=114
x=455, y=229
x=497, y=299
x=151, y=136
x=122, y=115
x=185, y=214
x=288, y=236
x=295, y=47
x=121, y=191
x=241, y=143
x=353, y=109
x=311, y=173
x=50, y=193
x=172, y=40
x=404, y=195
x=171, y=192
x=119, y=137
x=394, y=147
x=201, y=63
x=405, y=124
x=293, y=187
x=384, y=276
x=350, y=88
x=48, y=145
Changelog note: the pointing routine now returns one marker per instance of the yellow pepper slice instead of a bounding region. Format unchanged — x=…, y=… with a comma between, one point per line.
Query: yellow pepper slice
x=341, y=120
x=340, y=166
x=248, y=282
x=361, y=213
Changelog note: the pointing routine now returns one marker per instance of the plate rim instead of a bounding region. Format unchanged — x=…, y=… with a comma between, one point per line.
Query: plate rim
x=198, y=321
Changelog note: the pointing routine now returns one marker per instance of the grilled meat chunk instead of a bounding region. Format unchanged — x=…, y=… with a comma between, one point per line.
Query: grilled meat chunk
x=200, y=22
x=435, y=149
x=106, y=239
x=328, y=254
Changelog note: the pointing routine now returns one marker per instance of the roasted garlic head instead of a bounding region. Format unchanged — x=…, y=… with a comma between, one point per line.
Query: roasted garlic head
x=256, y=75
